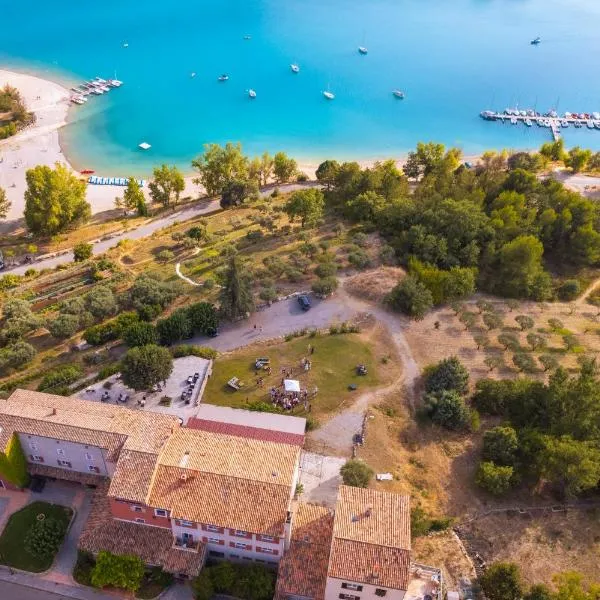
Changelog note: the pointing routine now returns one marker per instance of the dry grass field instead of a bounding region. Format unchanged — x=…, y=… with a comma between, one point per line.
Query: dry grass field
x=375, y=284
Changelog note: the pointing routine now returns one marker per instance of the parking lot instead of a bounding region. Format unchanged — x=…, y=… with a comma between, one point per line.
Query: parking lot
x=177, y=397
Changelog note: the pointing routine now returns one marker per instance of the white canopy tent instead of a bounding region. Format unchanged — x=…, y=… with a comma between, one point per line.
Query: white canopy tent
x=291, y=385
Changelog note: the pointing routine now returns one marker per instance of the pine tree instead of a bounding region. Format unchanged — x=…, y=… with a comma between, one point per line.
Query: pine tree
x=236, y=297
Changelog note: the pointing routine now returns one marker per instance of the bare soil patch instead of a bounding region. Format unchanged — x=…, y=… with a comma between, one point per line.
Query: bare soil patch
x=376, y=284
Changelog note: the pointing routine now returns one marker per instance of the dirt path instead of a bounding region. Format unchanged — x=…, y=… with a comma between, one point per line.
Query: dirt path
x=583, y=298
x=337, y=434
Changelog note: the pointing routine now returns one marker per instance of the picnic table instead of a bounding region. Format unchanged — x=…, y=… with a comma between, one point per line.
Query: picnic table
x=235, y=383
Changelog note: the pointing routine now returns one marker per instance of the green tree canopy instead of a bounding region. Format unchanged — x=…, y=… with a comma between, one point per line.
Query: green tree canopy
x=145, y=366
x=140, y=334
x=220, y=165
x=54, y=199
x=356, y=473
x=82, y=252
x=500, y=445
x=307, y=204
x=284, y=167
x=502, y=581
x=166, y=186
x=411, y=297
x=448, y=374
x=133, y=195
x=448, y=409
x=121, y=571
x=236, y=296
x=493, y=478
x=5, y=204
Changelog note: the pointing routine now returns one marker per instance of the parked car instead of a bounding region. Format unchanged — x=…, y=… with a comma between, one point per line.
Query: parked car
x=304, y=302
x=213, y=332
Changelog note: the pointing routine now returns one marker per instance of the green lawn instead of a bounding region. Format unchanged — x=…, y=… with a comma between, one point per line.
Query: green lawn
x=12, y=550
x=333, y=370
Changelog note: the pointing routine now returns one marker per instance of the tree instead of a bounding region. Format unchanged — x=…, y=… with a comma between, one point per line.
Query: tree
x=16, y=355
x=44, y=537
x=502, y=581
x=235, y=191
x=572, y=465
x=327, y=172
x=448, y=409
x=484, y=306
x=524, y=322
x=149, y=295
x=448, y=374
x=175, y=327
x=261, y=169
x=284, y=167
x=223, y=577
x=166, y=185
x=101, y=302
x=203, y=317
x=122, y=571
x=548, y=361
x=82, y=252
x=140, y=334
x=218, y=166
x=524, y=362
x=481, y=340
x=570, y=341
x=356, y=473
x=536, y=341
x=577, y=159
x=500, y=445
x=493, y=361
x=63, y=326
x=492, y=320
x=325, y=286
x=411, y=297
x=133, y=195
x=554, y=151
x=236, y=297
x=570, y=586
x=203, y=586
x=255, y=582
x=508, y=340
x=307, y=204
x=495, y=479
x=5, y=204
x=468, y=319
x=538, y=592
x=146, y=366
x=54, y=199
x=164, y=256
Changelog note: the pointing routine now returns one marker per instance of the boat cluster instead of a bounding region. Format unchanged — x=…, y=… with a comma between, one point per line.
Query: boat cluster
x=95, y=87
x=548, y=119
x=295, y=68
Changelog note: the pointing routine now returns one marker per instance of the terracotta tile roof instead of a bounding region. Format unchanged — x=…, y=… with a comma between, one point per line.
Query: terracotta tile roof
x=246, y=431
x=233, y=456
x=65, y=474
x=373, y=517
x=371, y=538
x=303, y=568
x=368, y=563
x=71, y=419
x=152, y=544
x=133, y=476
x=221, y=500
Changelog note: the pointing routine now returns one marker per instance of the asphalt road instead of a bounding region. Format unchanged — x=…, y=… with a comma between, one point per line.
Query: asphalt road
x=12, y=591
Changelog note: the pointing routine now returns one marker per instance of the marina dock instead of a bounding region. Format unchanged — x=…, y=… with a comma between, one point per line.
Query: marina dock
x=551, y=120
x=95, y=87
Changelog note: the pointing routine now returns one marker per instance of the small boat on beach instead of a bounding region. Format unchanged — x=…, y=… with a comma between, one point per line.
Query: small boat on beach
x=295, y=68
x=115, y=83
x=223, y=77
x=251, y=93
x=564, y=123
x=536, y=41
x=528, y=122
x=87, y=172
x=329, y=95
x=247, y=37
x=398, y=94
x=363, y=50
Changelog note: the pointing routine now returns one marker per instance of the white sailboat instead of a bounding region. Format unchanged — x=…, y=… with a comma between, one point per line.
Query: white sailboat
x=295, y=68
x=329, y=95
x=398, y=94
x=251, y=93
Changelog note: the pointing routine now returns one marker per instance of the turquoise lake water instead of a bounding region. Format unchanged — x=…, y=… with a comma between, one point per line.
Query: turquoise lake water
x=453, y=59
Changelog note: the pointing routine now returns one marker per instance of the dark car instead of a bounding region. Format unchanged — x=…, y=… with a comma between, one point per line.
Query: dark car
x=304, y=302
x=213, y=332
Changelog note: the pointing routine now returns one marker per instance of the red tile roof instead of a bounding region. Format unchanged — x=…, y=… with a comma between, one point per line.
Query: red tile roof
x=246, y=431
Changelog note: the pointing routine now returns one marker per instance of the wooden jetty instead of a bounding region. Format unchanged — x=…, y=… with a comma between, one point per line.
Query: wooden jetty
x=551, y=120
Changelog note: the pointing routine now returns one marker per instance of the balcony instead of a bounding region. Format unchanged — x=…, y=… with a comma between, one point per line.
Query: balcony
x=189, y=545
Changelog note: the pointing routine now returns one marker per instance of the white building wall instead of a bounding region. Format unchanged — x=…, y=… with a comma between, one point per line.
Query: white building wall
x=81, y=456
x=334, y=588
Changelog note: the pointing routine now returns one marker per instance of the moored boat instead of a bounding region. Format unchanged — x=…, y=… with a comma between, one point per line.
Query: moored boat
x=363, y=50
x=295, y=68
x=223, y=77
x=252, y=93
x=400, y=94
x=329, y=95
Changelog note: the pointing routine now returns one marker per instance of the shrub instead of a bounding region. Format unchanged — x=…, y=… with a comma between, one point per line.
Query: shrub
x=356, y=473
x=44, y=537
x=124, y=571
x=82, y=572
x=145, y=366
x=569, y=290
x=325, y=286
x=192, y=350
x=63, y=326
x=360, y=239
x=63, y=375
x=268, y=294
x=140, y=334
x=493, y=478
x=100, y=334
x=421, y=524
x=500, y=445
x=502, y=581
x=448, y=374
x=327, y=269
x=82, y=252
x=359, y=259
x=387, y=255
x=411, y=297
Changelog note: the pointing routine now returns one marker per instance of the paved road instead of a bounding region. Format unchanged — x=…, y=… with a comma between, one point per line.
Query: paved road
x=146, y=230
x=12, y=591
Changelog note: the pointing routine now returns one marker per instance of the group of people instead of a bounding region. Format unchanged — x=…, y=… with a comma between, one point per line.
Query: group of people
x=289, y=400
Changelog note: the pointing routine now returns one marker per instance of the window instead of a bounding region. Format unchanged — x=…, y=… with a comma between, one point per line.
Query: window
x=33, y=445
x=352, y=586
x=93, y=469
x=136, y=508
x=267, y=538
x=88, y=456
x=348, y=597
x=187, y=524
x=36, y=458
x=138, y=520
x=60, y=452
x=160, y=512
x=216, y=554
x=234, y=556
x=241, y=546
x=64, y=463
x=380, y=592
x=213, y=528
x=266, y=550
x=212, y=540
x=240, y=533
